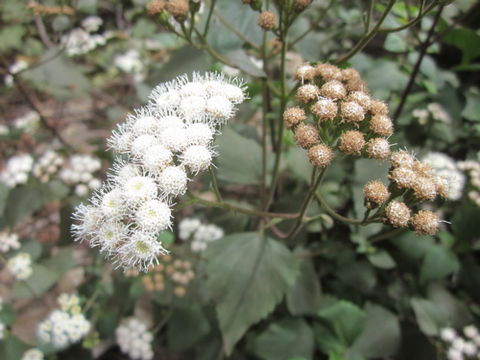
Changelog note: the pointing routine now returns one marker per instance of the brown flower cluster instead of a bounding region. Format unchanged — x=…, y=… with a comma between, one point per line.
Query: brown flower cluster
x=179, y=272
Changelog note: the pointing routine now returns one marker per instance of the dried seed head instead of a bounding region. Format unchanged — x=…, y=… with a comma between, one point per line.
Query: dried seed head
x=155, y=7
x=356, y=85
x=307, y=93
x=378, y=149
x=398, y=214
x=325, y=109
x=293, y=116
x=403, y=177
x=266, y=20
x=178, y=9
x=306, y=135
x=423, y=169
x=376, y=193
x=425, y=222
x=328, y=72
x=402, y=158
x=378, y=107
x=305, y=72
x=333, y=89
x=381, y=125
x=352, y=142
x=300, y=5
x=320, y=155
x=442, y=186
x=350, y=74
x=361, y=98
x=352, y=112
x=424, y=188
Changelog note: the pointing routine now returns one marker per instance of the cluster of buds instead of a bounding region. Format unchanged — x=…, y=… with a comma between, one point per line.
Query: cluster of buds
x=47, y=165
x=472, y=168
x=161, y=147
x=180, y=273
x=460, y=346
x=199, y=234
x=345, y=117
x=134, y=339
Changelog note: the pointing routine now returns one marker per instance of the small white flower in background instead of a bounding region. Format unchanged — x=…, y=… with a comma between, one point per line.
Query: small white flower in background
x=200, y=234
x=32, y=354
x=163, y=145
x=459, y=348
x=79, y=171
x=20, y=266
x=439, y=113
x=472, y=168
x=130, y=63
x=421, y=115
x=446, y=167
x=92, y=23
x=47, y=165
x=15, y=68
x=2, y=330
x=64, y=326
x=187, y=227
x=4, y=130
x=16, y=170
x=78, y=41
x=448, y=334
x=27, y=123
x=134, y=339
x=8, y=241
x=470, y=331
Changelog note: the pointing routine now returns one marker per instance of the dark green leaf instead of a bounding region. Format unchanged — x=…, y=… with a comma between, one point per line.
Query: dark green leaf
x=40, y=281
x=382, y=259
x=438, y=263
x=186, y=327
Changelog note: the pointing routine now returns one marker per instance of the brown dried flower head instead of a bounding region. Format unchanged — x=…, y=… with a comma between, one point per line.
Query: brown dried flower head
x=178, y=9
x=381, y=125
x=300, y=5
x=361, y=98
x=306, y=135
x=352, y=112
x=378, y=107
x=442, y=185
x=398, y=213
x=376, y=193
x=356, y=85
x=293, y=116
x=352, y=142
x=378, y=149
x=403, y=177
x=423, y=169
x=267, y=20
x=305, y=72
x=350, y=74
x=333, y=89
x=155, y=7
x=320, y=155
x=425, y=222
x=325, y=109
x=425, y=188
x=402, y=158
x=307, y=93
x=328, y=72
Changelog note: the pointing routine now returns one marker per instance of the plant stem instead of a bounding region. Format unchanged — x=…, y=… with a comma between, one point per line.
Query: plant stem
x=213, y=179
x=320, y=18
x=209, y=17
x=421, y=14
x=235, y=31
x=336, y=215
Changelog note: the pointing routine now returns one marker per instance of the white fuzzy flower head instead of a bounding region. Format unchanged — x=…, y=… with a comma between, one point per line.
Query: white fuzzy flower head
x=141, y=251
x=145, y=124
x=448, y=334
x=16, y=170
x=197, y=158
x=470, y=331
x=166, y=100
x=154, y=215
x=134, y=339
x=454, y=354
x=8, y=241
x=234, y=93
x=446, y=168
x=142, y=143
x=32, y=354
x=187, y=227
x=20, y=266
x=174, y=139
x=157, y=158
x=220, y=108
x=112, y=203
x=88, y=219
x=173, y=181
x=169, y=121
x=204, y=235
x=193, y=108
x=194, y=88
x=199, y=134
x=110, y=235
x=140, y=188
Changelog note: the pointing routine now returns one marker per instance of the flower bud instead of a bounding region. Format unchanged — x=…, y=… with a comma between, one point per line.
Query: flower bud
x=320, y=155
x=352, y=112
x=424, y=188
x=398, y=214
x=300, y=5
x=307, y=93
x=155, y=7
x=423, y=169
x=178, y=9
x=328, y=72
x=306, y=135
x=305, y=72
x=378, y=149
x=378, y=107
x=325, y=109
x=333, y=89
x=266, y=20
x=402, y=158
x=361, y=98
x=403, y=177
x=350, y=74
x=293, y=116
x=442, y=186
x=425, y=222
x=381, y=125
x=356, y=85
x=376, y=193
x=351, y=142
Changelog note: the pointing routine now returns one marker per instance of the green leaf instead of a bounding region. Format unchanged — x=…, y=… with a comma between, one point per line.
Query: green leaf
x=395, y=43
x=40, y=281
x=358, y=275
x=458, y=314
x=34, y=248
x=438, y=263
x=297, y=161
x=11, y=37
x=12, y=348
x=346, y=320
x=381, y=336
x=244, y=63
x=248, y=275
x=7, y=314
x=430, y=317
x=466, y=40
x=304, y=296
x=186, y=327
x=240, y=158
x=61, y=261
x=4, y=190
x=283, y=340
x=328, y=342
x=382, y=260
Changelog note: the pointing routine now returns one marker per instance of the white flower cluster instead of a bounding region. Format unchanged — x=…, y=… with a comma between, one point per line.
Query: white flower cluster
x=164, y=143
x=134, y=339
x=472, y=168
x=32, y=354
x=131, y=63
x=15, y=68
x=446, y=167
x=16, y=170
x=81, y=40
x=2, y=330
x=20, y=266
x=64, y=326
x=8, y=241
x=79, y=171
x=28, y=122
x=200, y=234
x=435, y=110
x=47, y=165
x=462, y=347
